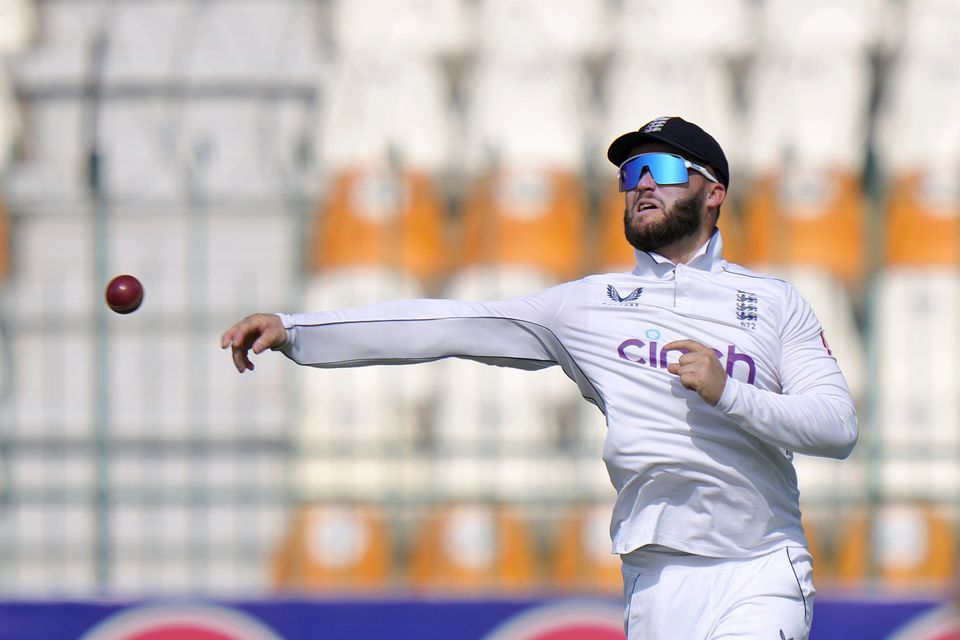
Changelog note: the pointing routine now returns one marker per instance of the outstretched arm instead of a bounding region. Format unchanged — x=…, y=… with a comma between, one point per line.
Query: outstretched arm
x=514, y=333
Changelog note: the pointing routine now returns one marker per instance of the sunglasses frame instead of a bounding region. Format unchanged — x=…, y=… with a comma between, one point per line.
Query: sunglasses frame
x=686, y=163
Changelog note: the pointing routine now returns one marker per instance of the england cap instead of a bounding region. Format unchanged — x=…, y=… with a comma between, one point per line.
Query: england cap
x=676, y=132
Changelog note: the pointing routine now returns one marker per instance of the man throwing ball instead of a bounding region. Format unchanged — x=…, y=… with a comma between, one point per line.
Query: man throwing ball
x=710, y=377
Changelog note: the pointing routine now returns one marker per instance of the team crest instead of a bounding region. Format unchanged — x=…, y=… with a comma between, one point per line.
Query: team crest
x=655, y=125
x=747, y=309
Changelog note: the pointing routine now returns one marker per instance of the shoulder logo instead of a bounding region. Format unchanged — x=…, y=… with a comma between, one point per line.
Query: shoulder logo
x=655, y=125
x=628, y=299
x=823, y=339
x=747, y=309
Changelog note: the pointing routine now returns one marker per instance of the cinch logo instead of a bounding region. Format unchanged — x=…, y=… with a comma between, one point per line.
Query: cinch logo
x=650, y=353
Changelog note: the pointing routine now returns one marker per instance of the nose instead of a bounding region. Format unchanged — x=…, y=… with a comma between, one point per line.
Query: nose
x=646, y=181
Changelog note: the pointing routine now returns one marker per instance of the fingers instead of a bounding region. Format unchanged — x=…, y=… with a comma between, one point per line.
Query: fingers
x=257, y=332
x=698, y=369
x=690, y=346
x=240, y=360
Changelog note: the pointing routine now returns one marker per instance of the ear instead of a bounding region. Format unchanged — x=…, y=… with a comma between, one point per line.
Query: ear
x=716, y=194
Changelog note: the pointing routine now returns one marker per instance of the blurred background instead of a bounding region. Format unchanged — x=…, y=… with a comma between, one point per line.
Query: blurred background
x=285, y=155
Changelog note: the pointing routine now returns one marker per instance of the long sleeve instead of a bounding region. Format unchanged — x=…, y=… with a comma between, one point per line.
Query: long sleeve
x=514, y=333
x=815, y=412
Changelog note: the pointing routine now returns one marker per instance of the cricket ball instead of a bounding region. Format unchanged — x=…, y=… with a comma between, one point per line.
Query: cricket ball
x=124, y=294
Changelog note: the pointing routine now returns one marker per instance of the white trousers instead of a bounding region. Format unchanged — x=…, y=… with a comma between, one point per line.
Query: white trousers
x=672, y=596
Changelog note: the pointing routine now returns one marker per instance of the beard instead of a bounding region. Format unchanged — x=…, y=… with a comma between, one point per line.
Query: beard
x=681, y=221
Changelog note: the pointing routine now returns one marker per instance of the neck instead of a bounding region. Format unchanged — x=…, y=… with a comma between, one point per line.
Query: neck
x=682, y=251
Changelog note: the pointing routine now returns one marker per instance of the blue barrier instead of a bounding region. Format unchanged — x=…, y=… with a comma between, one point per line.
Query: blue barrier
x=399, y=619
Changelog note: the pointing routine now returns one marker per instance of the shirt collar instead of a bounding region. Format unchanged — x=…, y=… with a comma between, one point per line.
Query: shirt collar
x=709, y=257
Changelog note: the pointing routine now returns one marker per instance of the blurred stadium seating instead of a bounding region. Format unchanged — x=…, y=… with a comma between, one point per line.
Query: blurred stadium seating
x=274, y=155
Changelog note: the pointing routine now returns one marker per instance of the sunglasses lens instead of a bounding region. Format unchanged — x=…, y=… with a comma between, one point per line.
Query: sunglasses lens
x=664, y=167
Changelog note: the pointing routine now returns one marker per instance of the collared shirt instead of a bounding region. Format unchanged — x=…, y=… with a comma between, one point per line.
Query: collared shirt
x=707, y=480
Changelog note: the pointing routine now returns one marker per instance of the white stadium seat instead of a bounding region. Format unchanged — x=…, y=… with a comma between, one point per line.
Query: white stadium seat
x=46, y=400
x=703, y=29
x=789, y=119
x=541, y=29
x=383, y=109
x=811, y=50
x=10, y=126
x=53, y=164
x=267, y=41
x=150, y=394
x=241, y=150
x=916, y=415
x=546, y=102
x=834, y=307
x=54, y=267
x=497, y=430
x=18, y=25
x=592, y=482
x=37, y=470
x=920, y=81
x=423, y=27
x=916, y=315
x=53, y=543
x=358, y=427
x=236, y=280
x=62, y=52
x=827, y=481
x=832, y=26
x=147, y=40
x=926, y=27
x=139, y=156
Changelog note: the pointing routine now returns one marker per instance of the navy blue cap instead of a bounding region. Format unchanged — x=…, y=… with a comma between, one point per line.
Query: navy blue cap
x=690, y=140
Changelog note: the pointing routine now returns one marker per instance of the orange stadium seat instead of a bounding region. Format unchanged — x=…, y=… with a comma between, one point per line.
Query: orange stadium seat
x=374, y=218
x=614, y=253
x=908, y=545
x=334, y=548
x=921, y=228
x=817, y=222
x=582, y=558
x=471, y=548
x=532, y=218
x=817, y=543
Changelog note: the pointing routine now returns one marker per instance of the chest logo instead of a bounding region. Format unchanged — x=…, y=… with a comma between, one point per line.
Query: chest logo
x=630, y=299
x=747, y=309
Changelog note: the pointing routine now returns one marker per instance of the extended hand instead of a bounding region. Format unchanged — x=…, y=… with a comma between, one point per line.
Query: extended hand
x=699, y=369
x=259, y=332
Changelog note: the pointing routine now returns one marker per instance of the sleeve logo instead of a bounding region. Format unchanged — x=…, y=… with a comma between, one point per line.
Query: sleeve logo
x=823, y=339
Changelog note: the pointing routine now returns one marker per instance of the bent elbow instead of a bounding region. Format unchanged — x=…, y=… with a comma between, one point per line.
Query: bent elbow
x=849, y=433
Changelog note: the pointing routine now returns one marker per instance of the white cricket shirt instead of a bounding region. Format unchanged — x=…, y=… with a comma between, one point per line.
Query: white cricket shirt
x=714, y=481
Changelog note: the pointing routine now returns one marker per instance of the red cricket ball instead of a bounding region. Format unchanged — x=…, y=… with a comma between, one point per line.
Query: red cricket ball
x=124, y=294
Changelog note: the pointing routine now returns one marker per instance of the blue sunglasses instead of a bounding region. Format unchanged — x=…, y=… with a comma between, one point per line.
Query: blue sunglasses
x=666, y=168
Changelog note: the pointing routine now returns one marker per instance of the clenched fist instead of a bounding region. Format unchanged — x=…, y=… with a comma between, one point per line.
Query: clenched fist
x=258, y=332
x=699, y=369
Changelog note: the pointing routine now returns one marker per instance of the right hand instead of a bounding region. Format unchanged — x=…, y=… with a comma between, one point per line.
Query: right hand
x=259, y=332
